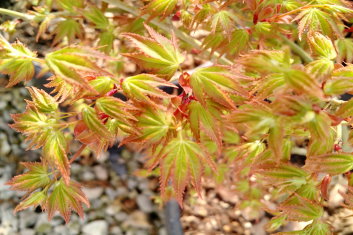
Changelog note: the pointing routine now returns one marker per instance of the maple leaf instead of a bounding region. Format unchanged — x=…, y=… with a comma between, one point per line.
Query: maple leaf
x=96, y=16
x=158, y=54
x=42, y=100
x=35, y=199
x=95, y=124
x=69, y=29
x=182, y=162
x=35, y=125
x=298, y=208
x=344, y=47
x=143, y=86
x=54, y=151
x=162, y=8
x=321, y=46
x=62, y=89
x=341, y=81
x=331, y=163
x=154, y=125
x=218, y=83
x=64, y=198
x=222, y=21
x=73, y=64
x=17, y=61
x=37, y=176
x=320, y=69
x=201, y=119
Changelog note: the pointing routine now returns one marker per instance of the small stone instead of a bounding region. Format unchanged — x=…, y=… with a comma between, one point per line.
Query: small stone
x=137, y=219
x=87, y=176
x=93, y=193
x=335, y=198
x=27, y=218
x=121, y=216
x=28, y=232
x=112, y=209
x=62, y=230
x=200, y=211
x=96, y=227
x=144, y=203
x=101, y=172
x=116, y=230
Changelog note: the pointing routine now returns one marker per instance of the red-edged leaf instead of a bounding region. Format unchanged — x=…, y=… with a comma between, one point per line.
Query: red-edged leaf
x=332, y=163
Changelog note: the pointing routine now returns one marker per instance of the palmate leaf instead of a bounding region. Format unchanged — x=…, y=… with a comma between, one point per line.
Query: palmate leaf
x=64, y=198
x=62, y=89
x=37, y=176
x=298, y=208
x=331, y=163
x=301, y=82
x=70, y=29
x=162, y=8
x=16, y=61
x=345, y=50
x=218, y=83
x=96, y=16
x=341, y=81
x=321, y=46
x=222, y=21
x=73, y=64
x=154, y=125
x=182, y=163
x=345, y=110
x=93, y=122
x=320, y=69
x=54, y=152
x=157, y=54
x=202, y=119
x=143, y=86
x=34, y=199
x=42, y=100
x=35, y=125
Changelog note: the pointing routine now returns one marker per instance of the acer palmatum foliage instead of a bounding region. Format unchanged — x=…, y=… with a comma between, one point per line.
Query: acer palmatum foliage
x=278, y=69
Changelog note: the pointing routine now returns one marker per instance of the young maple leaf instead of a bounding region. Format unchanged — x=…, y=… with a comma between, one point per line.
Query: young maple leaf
x=73, y=64
x=54, y=152
x=344, y=48
x=143, y=86
x=182, y=163
x=35, y=125
x=42, y=100
x=37, y=176
x=69, y=28
x=218, y=83
x=17, y=61
x=162, y=8
x=158, y=54
x=331, y=163
x=95, y=124
x=64, y=198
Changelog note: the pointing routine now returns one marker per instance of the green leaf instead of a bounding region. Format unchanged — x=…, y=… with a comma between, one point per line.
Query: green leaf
x=202, y=119
x=96, y=16
x=345, y=110
x=93, y=122
x=318, y=228
x=54, y=151
x=64, y=198
x=116, y=108
x=158, y=54
x=36, y=177
x=154, y=125
x=345, y=50
x=301, y=82
x=222, y=21
x=35, y=199
x=17, y=61
x=102, y=84
x=217, y=83
x=332, y=163
x=275, y=223
x=42, y=100
x=238, y=42
x=106, y=40
x=162, y=8
x=182, y=164
x=73, y=64
x=143, y=86
x=320, y=69
x=341, y=81
x=35, y=125
x=70, y=5
x=322, y=46
x=319, y=126
x=297, y=208
x=70, y=29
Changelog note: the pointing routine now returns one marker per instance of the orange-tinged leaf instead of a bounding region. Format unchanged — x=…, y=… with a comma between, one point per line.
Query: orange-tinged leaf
x=36, y=177
x=162, y=8
x=301, y=82
x=345, y=50
x=42, y=100
x=157, y=54
x=218, y=83
x=54, y=151
x=331, y=163
x=35, y=199
x=322, y=46
x=143, y=86
x=346, y=109
x=64, y=198
x=202, y=119
x=93, y=122
x=115, y=108
x=18, y=70
x=298, y=208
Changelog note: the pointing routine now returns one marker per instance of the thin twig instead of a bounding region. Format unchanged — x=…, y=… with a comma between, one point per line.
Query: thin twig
x=297, y=49
x=16, y=14
x=78, y=153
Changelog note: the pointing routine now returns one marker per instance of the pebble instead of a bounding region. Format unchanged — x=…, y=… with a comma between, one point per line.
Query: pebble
x=28, y=232
x=101, y=172
x=93, y=193
x=96, y=227
x=87, y=176
x=144, y=203
x=116, y=230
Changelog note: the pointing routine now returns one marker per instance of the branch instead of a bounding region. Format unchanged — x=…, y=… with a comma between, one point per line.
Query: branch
x=16, y=14
x=297, y=49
